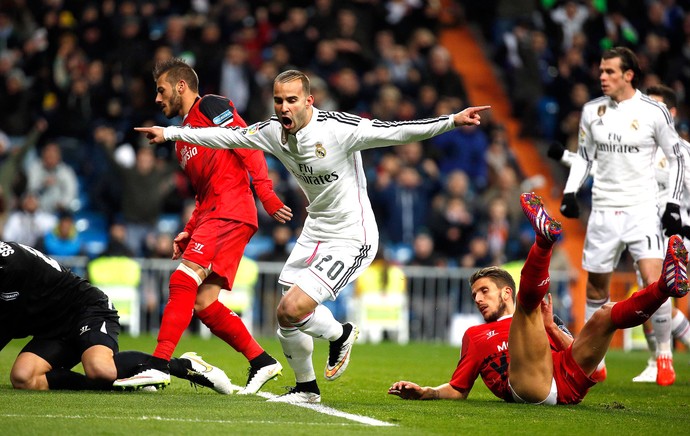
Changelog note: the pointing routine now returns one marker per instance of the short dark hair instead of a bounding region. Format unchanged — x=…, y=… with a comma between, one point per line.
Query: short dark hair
x=177, y=69
x=668, y=95
x=290, y=75
x=628, y=61
x=498, y=276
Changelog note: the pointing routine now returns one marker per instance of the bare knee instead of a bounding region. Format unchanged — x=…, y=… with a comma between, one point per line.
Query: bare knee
x=288, y=311
x=101, y=372
x=25, y=378
x=99, y=364
x=294, y=306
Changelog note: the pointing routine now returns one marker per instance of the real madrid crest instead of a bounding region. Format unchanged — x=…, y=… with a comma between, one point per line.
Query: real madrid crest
x=635, y=125
x=601, y=110
x=320, y=151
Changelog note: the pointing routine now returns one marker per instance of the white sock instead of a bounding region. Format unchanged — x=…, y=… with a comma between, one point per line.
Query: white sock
x=661, y=320
x=594, y=305
x=321, y=324
x=681, y=328
x=591, y=307
x=298, y=349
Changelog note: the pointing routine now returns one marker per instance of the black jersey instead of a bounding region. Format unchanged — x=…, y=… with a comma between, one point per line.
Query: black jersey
x=40, y=297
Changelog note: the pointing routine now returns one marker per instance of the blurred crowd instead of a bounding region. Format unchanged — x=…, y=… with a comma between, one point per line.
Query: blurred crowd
x=75, y=78
x=550, y=58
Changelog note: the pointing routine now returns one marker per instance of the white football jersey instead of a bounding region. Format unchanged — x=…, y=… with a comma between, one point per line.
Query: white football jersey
x=623, y=138
x=325, y=158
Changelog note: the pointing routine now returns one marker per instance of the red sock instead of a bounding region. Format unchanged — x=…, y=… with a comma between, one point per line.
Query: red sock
x=225, y=324
x=637, y=309
x=534, y=277
x=177, y=314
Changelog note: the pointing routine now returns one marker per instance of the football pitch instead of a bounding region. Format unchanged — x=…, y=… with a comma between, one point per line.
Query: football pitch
x=356, y=403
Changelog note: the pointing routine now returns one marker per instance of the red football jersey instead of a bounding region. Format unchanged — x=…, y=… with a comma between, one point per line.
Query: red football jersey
x=220, y=178
x=485, y=352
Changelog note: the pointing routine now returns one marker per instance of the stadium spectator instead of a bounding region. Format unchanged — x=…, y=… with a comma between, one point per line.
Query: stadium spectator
x=462, y=149
x=52, y=180
x=340, y=237
x=424, y=253
x=571, y=15
x=18, y=113
x=537, y=362
x=406, y=201
x=63, y=240
x=441, y=75
x=237, y=78
x=12, y=176
x=28, y=223
x=453, y=224
x=144, y=187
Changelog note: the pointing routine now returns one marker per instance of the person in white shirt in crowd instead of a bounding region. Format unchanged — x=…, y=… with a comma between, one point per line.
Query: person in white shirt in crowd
x=53, y=181
x=28, y=224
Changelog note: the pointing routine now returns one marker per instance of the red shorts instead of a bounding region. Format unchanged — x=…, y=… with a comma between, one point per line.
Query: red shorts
x=219, y=244
x=572, y=383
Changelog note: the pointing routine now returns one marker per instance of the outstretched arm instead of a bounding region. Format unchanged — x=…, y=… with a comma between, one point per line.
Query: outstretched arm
x=412, y=391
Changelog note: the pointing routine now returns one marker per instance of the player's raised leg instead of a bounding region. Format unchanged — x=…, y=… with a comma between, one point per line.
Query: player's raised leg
x=531, y=364
x=595, y=337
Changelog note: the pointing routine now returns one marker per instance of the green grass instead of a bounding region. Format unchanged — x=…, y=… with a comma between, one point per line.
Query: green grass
x=615, y=407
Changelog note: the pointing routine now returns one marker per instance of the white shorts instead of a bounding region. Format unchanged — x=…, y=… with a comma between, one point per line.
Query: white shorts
x=550, y=400
x=323, y=268
x=610, y=231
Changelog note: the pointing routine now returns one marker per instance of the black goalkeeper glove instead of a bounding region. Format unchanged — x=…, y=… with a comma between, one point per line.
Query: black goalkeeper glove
x=556, y=151
x=569, y=206
x=671, y=220
x=685, y=232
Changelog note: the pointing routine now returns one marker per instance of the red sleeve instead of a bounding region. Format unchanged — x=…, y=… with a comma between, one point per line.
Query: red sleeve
x=255, y=162
x=467, y=370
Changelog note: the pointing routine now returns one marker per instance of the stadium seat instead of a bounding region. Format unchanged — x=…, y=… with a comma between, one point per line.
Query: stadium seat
x=119, y=278
x=378, y=313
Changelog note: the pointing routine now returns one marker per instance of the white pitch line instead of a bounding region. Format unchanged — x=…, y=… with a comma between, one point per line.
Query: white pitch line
x=168, y=419
x=330, y=411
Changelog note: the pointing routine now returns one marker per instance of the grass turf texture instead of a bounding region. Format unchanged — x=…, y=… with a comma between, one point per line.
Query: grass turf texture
x=616, y=406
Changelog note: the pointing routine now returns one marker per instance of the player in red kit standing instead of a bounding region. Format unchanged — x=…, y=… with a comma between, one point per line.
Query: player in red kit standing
x=213, y=241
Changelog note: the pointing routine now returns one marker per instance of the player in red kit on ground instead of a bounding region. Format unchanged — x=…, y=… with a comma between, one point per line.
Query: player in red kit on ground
x=521, y=353
x=213, y=241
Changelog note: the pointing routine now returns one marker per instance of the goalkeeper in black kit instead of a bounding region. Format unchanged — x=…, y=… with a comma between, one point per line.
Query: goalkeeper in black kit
x=71, y=322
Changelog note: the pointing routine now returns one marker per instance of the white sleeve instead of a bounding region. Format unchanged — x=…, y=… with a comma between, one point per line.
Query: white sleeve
x=221, y=137
x=569, y=159
x=580, y=168
x=667, y=138
x=376, y=133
